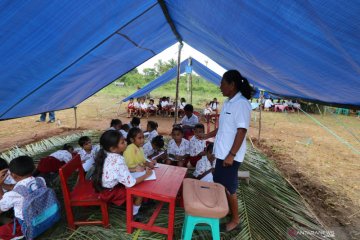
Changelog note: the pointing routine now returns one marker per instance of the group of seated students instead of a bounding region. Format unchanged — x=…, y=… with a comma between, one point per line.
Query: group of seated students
x=165, y=107
x=270, y=105
x=124, y=152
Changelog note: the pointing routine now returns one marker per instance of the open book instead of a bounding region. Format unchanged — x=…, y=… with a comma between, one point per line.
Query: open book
x=139, y=174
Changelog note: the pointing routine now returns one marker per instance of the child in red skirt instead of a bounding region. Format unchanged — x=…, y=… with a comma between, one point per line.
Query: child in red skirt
x=111, y=173
x=53, y=162
x=130, y=107
x=197, y=145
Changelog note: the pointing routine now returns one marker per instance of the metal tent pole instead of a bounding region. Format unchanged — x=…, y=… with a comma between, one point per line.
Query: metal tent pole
x=177, y=82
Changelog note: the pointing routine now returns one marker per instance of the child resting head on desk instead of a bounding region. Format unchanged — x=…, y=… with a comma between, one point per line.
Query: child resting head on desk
x=112, y=174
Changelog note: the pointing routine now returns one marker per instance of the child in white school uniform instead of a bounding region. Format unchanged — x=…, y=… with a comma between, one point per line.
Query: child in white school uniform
x=154, y=150
x=87, y=153
x=9, y=182
x=137, y=107
x=112, y=175
x=143, y=108
x=21, y=169
x=124, y=130
x=178, y=148
x=206, y=165
x=189, y=120
x=197, y=145
x=151, y=131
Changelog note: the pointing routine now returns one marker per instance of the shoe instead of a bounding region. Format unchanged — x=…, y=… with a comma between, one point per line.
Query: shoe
x=40, y=121
x=51, y=121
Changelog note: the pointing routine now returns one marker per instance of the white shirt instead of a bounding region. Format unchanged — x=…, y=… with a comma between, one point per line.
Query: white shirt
x=148, y=149
x=196, y=146
x=214, y=105
x=151, y=135
x=234, y=114
x=268, y=103
x=181, y=150
x=151, y=106
x=164, y=103
x=115, y=171
x=192, y=121
x=137, y=105
x=89, y=158
x=123, y=132
x=143, y=106
x=182, y=105
x=14, y=200
x=202, y=166
x=9, y=181
x=62, y=155
x=208, y=111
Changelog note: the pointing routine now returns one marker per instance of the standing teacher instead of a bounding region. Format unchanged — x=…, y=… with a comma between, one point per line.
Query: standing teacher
x=230, y=140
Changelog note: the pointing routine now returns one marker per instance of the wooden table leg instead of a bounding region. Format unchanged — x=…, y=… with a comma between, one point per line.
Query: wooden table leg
x=129, y=212
x=171, y=219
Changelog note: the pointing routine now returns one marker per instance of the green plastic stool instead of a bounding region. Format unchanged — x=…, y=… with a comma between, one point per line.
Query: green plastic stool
x=345, y=111
x=191, y=222
x=338, y=110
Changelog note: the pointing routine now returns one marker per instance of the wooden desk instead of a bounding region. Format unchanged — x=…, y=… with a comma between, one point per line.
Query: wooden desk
x=164, y=189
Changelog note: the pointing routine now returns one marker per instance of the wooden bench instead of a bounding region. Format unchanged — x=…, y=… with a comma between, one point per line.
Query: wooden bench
x=82, y=195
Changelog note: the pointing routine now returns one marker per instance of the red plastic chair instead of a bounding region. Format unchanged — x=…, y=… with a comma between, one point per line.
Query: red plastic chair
x=82, y=195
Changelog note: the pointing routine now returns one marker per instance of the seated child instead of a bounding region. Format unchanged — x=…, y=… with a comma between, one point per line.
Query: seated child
x=208, y=110
x=137, y=107
x=197, y=145
x=181, y=107
x=134, y=153
x=53, y=162
x=124, y=130
x=87, y=152
x=115, y=124
x=112, y=174
x=206, y=165
x=154, y=150
x=135, y=122
x=21, y=169
x=214, y=104
x=152, y=107
x=151, y=131
x=9, y=182
x=189, y=120
x=178, y=148
x=130, y=107
x=143, y=108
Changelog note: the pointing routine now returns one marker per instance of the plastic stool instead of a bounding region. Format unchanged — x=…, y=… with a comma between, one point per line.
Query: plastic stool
x=191, y=222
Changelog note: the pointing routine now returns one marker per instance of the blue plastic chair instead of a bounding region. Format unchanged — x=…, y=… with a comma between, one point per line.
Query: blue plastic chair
x=191, y=222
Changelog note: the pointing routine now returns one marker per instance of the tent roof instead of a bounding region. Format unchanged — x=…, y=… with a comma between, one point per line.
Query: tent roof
x=199, y=68
x=54, y=55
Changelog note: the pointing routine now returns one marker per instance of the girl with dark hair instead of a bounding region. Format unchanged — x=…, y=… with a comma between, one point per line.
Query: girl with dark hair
x=230, y=140
x=115, y=124
x=134, y=153
x=111, y=173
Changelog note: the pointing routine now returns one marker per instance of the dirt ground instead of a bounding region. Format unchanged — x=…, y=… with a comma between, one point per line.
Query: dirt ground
x=324, y=170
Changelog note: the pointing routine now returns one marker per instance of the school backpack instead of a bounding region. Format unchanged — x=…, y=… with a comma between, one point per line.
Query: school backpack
x=41, y=209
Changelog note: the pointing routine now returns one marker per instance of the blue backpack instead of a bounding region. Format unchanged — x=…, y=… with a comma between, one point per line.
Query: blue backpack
x=41, y=209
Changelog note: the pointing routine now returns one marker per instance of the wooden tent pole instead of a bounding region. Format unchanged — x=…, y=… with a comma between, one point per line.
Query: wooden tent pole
x=177, y=82
x=191, y=89
x=261, y=98
x=75, y=115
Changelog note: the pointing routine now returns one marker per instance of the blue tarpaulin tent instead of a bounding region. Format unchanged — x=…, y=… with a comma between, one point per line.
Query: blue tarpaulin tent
x=56, y=54
x=199, y=68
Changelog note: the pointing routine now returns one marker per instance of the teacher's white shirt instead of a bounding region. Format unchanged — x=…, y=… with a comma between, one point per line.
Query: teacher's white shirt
x=235, y=114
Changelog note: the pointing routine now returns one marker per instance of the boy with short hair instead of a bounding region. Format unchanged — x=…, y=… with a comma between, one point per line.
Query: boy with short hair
x=87, y=152
x=21, y=169
x=189, y=121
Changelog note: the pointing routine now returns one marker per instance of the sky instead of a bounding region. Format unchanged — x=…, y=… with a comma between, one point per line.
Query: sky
x=186, y=52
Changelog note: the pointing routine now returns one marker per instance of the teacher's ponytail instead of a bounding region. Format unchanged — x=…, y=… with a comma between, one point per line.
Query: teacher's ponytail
x=241, y=83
